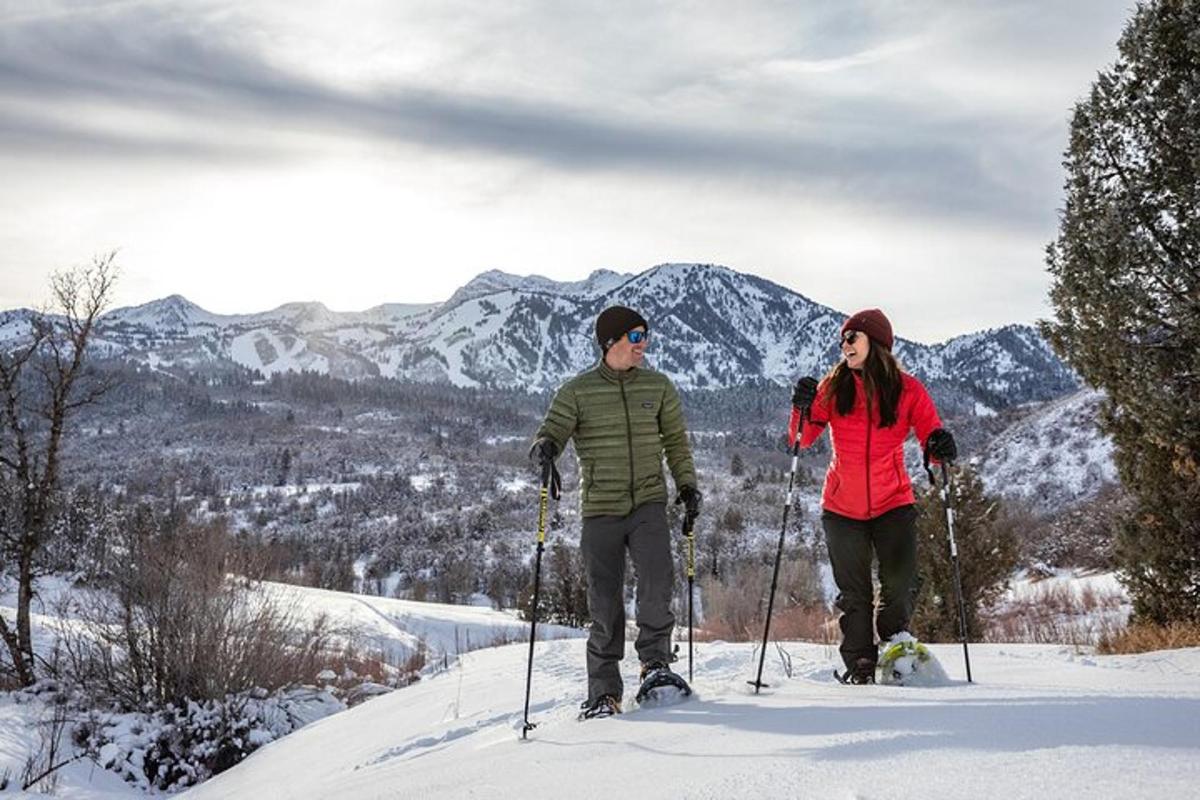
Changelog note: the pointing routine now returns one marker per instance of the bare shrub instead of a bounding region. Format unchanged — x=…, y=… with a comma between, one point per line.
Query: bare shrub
x=805, y=623
x=1055, y=613
x=1145, y=637
x=380, y=665
x=52, y=753
x=171, y=624
x=733, y=613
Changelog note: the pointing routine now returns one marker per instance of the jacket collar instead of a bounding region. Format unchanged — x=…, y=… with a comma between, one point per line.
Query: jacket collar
x=613, y=376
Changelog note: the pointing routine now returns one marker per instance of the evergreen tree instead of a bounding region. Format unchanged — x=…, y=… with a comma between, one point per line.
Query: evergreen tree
x=1126, y=292
x=563, y=595
x=987, y=555
x=283, y=467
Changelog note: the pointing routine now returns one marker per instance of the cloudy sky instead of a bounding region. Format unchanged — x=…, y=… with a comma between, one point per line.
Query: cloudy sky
x=245, y=154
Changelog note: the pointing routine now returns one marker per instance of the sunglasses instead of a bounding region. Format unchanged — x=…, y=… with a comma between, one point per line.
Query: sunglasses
x=850, y=337
x=636, y=337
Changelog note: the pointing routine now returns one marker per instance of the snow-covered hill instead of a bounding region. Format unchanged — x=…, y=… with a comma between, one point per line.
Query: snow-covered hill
x=1054, y=457
x=712, y=327
x=1039, y=722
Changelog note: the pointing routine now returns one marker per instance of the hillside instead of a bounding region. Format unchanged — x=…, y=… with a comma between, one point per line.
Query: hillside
x=1040, y=722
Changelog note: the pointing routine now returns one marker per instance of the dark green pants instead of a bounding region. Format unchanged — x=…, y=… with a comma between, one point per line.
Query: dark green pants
x=892, y=537
x=604, y=542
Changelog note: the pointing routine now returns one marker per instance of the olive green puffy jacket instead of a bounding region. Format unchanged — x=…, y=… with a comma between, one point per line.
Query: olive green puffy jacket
x=622, y=423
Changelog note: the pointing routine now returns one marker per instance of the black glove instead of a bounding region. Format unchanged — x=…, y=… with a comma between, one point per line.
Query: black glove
x=543, y=450
x=804, y=394
x=940, y=445
x=692, y=500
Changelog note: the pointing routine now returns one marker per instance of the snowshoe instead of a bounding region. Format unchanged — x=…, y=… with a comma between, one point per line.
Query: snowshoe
x=861, y=674
x=603, y=706
x=907, y=662
x=661, y=686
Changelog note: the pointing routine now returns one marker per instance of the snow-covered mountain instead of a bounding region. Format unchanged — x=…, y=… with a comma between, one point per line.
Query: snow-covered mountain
x=712, y=327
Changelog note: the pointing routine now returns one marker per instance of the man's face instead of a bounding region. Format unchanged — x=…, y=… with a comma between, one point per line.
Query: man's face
x=625, y=354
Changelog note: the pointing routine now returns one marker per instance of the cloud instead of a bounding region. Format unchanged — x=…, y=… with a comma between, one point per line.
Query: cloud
x=217, y=92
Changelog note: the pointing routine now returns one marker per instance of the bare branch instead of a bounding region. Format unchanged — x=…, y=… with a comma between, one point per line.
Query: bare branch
x=56, y=353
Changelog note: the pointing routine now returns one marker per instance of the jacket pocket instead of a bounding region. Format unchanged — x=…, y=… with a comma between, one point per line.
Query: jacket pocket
x=650, y=481
x=586, y=479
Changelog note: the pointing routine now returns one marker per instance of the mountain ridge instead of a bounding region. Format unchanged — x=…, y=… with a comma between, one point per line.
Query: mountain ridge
x=711, y=327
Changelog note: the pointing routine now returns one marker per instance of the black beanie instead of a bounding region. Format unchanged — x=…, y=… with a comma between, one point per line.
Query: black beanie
x=615, y=322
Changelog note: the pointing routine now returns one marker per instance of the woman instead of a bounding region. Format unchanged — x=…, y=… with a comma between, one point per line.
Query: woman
x=869, y=405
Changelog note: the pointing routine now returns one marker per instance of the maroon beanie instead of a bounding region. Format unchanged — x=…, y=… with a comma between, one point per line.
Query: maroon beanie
x=874, y=324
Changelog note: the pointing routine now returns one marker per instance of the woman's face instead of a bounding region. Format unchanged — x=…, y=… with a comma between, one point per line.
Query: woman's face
x=855, y=346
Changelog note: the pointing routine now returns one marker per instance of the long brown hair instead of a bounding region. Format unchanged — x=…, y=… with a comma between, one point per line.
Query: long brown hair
x=881, y=382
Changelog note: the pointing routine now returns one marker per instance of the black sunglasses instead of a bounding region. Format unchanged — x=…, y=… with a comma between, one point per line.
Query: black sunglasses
x=850, y=337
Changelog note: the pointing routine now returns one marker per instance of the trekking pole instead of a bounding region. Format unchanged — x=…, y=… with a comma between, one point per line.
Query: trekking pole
x=543, y=503
x=787, y=506
x=962, y=609
x=689, y=524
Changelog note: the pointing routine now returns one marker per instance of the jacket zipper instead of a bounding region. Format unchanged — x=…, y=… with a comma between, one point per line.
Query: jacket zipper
x=629, y=438
x=868, y=459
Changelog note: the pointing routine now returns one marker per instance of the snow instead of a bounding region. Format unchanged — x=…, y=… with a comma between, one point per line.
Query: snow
x=982, y=410
x=270, y=352
x=494, y=281
x=422, y=481
x=492, y=441
x=532, y=332
x=516, y=485
x=1076, y=583
x=21, y=725
x=302, y=490
x=1054, y=457
x=1039, y=722
x=400, y=627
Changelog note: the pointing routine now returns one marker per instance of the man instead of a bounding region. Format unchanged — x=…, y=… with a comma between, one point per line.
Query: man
x=623, y=418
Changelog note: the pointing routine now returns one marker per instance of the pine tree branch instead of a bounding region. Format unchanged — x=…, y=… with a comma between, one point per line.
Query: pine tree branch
x=1149, y=227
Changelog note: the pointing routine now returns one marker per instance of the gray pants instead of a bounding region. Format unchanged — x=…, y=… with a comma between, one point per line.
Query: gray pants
x=603, y=544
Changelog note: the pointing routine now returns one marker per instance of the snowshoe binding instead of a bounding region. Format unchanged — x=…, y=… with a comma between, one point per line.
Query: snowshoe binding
x=603, y=706
x=860, y=674
x=661, y=686
x=907, y=662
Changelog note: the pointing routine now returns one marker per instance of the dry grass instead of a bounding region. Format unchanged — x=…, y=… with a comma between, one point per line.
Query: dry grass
x=1057, y=613
x=797, y=623
x=379, y=665
x=1143, y=638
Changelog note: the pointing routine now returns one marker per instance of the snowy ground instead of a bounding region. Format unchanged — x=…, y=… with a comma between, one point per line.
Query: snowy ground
x=400, y=626
x=1040, y=721
x=386, y=625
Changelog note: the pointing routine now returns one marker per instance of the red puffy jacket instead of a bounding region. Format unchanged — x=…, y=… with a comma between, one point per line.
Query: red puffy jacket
x=867, y=476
